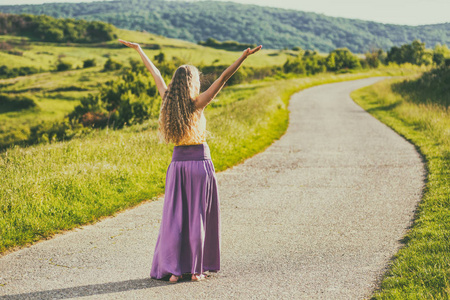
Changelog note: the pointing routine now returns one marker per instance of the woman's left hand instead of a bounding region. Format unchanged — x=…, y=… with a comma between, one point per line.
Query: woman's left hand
x=249, y=51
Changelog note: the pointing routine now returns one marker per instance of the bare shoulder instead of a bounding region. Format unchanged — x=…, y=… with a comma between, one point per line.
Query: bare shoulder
x=199, y=104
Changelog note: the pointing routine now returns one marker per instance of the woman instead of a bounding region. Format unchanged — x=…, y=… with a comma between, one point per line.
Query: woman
x=189, y=235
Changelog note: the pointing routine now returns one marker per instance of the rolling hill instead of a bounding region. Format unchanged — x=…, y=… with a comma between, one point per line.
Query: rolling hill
x=273, y=27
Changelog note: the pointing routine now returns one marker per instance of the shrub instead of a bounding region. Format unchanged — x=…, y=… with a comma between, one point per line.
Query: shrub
x=6, y=72
x=294, y=66
x=15, y=52
x=130, y=99
x=430, y=87
x=440, y=54
x=89, y=63
x=414, y=53
x=159, y=57
x=11, y=103
x=52, y=131
x=374, y=58
x=307, y=62
x=63, y=66
x=340, y=59
x=112, y=65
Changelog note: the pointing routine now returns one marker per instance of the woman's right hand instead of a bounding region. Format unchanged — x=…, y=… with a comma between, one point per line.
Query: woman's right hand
x=129, y=44
x=249, y=51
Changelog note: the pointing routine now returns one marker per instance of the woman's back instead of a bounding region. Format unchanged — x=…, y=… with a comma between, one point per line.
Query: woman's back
x=197, y=134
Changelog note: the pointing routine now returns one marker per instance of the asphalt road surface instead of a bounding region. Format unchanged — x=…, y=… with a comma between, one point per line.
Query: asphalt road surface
x=318, y=215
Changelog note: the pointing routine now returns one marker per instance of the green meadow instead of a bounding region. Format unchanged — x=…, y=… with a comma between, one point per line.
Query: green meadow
x=417, y=107
x=57, y=93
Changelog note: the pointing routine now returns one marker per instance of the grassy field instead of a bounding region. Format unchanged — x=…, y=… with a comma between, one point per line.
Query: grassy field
x=54, y=187
x=45, y=55
x=57, y=93
x=421, y=269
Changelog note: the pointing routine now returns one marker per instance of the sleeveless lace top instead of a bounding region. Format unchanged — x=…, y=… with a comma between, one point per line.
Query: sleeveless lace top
x=198, y=133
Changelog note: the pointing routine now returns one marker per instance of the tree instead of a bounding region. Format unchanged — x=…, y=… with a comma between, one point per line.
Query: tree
x=343, y=59
x=375, y=57
x=440, y=53
x=414, y=53
x=294, y=66
x=313, y=62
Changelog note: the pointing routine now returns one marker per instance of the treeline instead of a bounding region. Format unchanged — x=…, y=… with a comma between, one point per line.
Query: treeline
x=275, y=28
x=416, y=54
x=342, y=60
x=48, y=29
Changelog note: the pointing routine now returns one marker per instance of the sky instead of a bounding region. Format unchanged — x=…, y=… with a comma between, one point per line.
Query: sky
x=405, y=12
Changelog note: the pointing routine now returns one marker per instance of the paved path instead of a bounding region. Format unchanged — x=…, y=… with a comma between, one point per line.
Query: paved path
x=319, y=214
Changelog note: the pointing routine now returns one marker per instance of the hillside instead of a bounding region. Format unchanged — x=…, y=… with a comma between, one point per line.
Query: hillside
x=274, y=28
x=32, y=90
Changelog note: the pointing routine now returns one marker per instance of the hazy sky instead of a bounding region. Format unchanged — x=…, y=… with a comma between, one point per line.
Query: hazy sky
x=408, y=12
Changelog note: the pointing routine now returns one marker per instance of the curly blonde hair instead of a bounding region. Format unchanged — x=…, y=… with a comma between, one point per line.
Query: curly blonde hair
x=178, y=115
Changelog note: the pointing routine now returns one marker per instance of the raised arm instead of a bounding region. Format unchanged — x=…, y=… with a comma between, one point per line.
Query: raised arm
x=208, y=95
x=159, y=81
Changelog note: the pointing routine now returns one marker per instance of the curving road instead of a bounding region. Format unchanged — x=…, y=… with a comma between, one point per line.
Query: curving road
x=318, y=215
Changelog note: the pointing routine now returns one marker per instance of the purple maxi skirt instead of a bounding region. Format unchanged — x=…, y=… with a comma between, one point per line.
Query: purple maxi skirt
x=189, y=235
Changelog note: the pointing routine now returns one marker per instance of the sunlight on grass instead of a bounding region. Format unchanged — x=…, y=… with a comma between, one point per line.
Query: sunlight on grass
x=421, y=268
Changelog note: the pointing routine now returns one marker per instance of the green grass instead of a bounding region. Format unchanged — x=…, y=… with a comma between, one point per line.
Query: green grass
x=54, y=187
x=45, y=55
x=421, y=269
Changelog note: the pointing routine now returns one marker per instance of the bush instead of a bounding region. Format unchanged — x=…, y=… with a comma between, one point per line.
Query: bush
x=308, y=63
x=128, y=100
x=6, y=72
x=440, y=54
x=430, y=87
x=374, y=58
x=159, y=57
x=63, y=66
x=11, y=103
x=89, y=63
x=295, y=66
x=46, y=132
x=341, y=59
x=414, y=53
x=112, y=65
x=15, y=52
